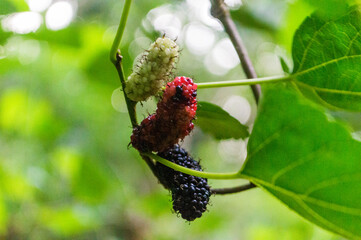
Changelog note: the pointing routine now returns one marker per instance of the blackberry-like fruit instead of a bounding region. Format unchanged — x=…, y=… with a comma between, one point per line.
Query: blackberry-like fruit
x=190, y=194
x=173, y=118
x=153, y=70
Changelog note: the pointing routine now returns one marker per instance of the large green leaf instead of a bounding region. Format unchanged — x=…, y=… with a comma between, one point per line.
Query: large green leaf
x=214, y=120
x=306, y=160
x=327, y=58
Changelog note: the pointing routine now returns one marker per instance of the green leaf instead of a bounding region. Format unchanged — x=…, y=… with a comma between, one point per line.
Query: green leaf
x=214, y=120
x=306, y=160
x=327, y=58
x=284, y=65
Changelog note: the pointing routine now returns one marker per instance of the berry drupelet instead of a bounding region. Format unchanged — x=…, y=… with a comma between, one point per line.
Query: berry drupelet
x=172, y=120
x=190, y=194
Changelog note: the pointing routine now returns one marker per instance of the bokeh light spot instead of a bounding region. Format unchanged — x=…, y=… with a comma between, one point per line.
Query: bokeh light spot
x=225, y=55
x=59, y=15
x=117, y=100
x=169, y=24
x=238, y=107
x=38, y=5
x=199, y=38
x=22, y=22
x=29, y=51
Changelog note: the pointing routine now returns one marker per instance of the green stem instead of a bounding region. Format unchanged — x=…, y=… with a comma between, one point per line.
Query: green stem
x=244, y=82
x=196, y=173
x=130, y=104
x=116, y=59
x=120, y=31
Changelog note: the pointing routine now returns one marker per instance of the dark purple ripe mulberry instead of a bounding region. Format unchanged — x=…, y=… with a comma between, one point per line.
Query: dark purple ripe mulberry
x=190, y=194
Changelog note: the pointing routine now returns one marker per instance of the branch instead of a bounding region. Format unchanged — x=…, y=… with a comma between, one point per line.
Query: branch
x=219, y=10
x=223, y=191
x=120, y=31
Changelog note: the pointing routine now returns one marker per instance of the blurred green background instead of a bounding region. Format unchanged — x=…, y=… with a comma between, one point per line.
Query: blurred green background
x=66, y=171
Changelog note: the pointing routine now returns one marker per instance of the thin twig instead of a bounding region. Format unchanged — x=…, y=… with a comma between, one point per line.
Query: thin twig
x=223, y=191
x=220, y=10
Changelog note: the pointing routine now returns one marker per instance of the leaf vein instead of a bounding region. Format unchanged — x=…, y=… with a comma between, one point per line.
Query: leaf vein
x=295, y=164
x=323, y=220
x=268, y=140
x=331, y=182
x=319, y=202
x=329, y=90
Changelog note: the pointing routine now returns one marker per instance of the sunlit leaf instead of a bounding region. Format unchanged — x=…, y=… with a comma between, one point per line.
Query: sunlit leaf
x=327, y=58
x=306, y=160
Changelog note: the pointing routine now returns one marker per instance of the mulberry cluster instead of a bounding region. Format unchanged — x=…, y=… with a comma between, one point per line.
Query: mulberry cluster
x=190, y=194
x=153, y=71
x=172, y=120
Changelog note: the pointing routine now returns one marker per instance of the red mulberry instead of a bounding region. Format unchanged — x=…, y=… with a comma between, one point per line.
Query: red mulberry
x=172, y=120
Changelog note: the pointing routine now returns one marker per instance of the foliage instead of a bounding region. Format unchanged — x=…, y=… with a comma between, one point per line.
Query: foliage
x=326, y=54
x=306, y=160
x=66, y=171
x=214, y=120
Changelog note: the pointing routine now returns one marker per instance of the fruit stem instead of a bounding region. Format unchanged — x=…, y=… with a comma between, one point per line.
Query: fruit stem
x=243, y=82
x=192, y=172
x=120, y=31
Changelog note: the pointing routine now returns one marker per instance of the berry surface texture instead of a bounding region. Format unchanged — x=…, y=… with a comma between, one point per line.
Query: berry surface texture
x=190, y=194
x=172, y=121
x=153, y=70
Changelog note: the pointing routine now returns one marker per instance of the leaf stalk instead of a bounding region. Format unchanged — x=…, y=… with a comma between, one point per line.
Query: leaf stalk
x=192, y=172
x=243, y=82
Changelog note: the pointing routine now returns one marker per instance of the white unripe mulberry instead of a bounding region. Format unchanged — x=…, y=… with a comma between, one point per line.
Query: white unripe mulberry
x=153, y=70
